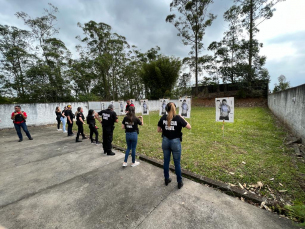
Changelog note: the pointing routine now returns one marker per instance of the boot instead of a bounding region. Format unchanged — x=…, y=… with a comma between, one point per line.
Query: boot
x=77, y=140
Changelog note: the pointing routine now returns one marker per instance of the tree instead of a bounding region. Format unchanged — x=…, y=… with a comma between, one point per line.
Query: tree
x=252, y=13
x=283, y=84
x=15, y=58
x=191, y=24
x=159, y=76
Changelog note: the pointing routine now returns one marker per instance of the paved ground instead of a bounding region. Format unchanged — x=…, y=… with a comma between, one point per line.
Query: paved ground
x=53, y=182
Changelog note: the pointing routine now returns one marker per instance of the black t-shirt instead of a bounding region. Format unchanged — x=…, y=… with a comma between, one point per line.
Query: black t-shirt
x=80, y=115
x=91, y=121
x=69, y=113
x=58, y=115
x=108, y=117
x=174, y=130
x=131, y=127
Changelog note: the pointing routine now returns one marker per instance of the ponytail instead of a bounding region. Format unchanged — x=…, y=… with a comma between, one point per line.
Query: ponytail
x=171, y=113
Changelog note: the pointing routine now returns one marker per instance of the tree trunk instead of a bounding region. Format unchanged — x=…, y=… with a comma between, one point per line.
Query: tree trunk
x=251, y=42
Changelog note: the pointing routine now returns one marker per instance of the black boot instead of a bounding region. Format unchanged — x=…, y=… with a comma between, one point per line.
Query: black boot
x=77, y=140
x=167, y=181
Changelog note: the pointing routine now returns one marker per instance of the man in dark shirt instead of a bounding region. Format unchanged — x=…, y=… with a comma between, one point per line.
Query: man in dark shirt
x=109, y=117
x=69, y=115
x=19, y=118
x=128, y=105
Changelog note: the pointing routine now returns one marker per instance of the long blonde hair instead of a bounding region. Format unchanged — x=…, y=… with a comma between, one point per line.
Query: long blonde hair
x=171, y=112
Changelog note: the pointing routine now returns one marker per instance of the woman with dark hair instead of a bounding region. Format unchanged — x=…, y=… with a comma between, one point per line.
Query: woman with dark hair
x=130, y=124
x=170, y=125
x=80, y=121
x=58, y=113
x=63, y=120
x=92, y=115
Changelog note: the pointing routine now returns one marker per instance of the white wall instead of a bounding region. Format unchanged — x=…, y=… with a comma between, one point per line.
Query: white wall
x=38, y=113
x=44, y=113
x=289, y=107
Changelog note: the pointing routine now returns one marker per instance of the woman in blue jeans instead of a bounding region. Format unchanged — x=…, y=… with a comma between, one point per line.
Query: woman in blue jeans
x=170, y=125
x=130, y=124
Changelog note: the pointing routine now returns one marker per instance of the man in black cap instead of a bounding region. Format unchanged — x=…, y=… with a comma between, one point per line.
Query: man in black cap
x=109, y=117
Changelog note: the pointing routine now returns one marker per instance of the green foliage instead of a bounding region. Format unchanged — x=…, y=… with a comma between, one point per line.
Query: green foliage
x=160, y=76
x=283, y=84
x=191, y=23
x=297, y=212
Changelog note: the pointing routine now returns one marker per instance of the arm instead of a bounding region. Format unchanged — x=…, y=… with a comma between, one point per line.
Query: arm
x=69, y=119
x=97, y=117
x=24, y=115
x=123, y=126
x=81, y=119
x=142, y=120
x=159, y=129
x=188, y=126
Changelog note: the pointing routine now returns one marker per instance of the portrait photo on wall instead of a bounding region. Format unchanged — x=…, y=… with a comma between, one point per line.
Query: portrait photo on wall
x=185, y=107
x=224, y=109
x=162, y=105
x=144, y=106
x=121, y=108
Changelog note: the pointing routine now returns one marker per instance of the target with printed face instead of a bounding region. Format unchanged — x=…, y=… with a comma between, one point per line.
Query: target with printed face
x=185, y=107
x=144, y=106
x=224, y=109
x=162, y=105
x=121, y=107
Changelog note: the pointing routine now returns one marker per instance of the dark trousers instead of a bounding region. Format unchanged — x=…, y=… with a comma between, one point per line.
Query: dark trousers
x=70, y=125
x=107, y=139
x=80, y=130
x=93, y=130
x=25, y=129
x=58, y=123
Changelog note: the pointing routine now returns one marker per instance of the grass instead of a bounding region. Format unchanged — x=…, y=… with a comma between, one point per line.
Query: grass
x=250, y=151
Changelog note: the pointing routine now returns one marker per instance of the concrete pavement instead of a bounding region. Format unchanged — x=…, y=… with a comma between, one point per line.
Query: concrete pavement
x=53, y=182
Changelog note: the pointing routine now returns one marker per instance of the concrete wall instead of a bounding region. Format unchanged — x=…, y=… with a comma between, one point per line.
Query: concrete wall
x=38, y=113
x=44, y=113
x=289, y=107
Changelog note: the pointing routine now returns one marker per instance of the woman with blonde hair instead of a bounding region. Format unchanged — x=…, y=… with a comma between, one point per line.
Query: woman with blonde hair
x=170, y=126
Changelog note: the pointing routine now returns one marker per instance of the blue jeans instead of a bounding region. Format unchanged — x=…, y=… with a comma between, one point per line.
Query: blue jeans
x=63, y=120
x=131, y=140
x=168, y=147
x=25, y=129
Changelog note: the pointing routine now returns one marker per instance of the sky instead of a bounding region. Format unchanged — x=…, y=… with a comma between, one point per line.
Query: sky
x=143, y=24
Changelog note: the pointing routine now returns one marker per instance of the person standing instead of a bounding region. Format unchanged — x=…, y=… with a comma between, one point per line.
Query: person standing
x=58, y=117
x=224, y=110
x=130, y=124
x=69, y=115
x=92, y=115
x=128, y=105
x=163, y=111
x=19, y=118
x=80, y=121
x=170, y=125
x=184, y=108
x=63, y=120
x=109, y=117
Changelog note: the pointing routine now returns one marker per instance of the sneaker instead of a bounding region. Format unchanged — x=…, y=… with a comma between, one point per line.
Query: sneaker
x=167, y=181
x=84, y=137
x=20, y=140
x=135, y=164
x=92, y=142
x=180, y=184
x=97, y=143
x=111, y=154
x=30, y=138
x=124, y=164
x=59, y=129
x=65, y=131
x=77, y=140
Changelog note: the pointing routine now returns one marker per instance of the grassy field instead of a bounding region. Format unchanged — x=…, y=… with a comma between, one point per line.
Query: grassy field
x=251, y=151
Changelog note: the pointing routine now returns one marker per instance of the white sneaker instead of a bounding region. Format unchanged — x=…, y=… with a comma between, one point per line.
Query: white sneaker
x=124, y=164
x=135, y=164
x=58, y=129
x=65, y=131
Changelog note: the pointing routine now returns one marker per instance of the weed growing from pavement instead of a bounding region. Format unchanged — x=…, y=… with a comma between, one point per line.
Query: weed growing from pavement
x=251, y=150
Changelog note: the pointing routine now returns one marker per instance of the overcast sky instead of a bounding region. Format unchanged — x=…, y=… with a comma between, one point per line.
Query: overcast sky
x=142, y=22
